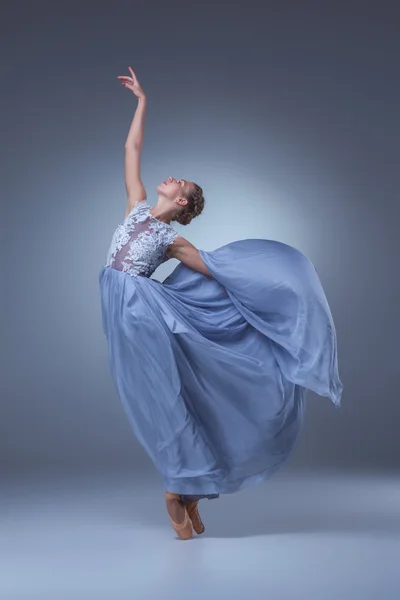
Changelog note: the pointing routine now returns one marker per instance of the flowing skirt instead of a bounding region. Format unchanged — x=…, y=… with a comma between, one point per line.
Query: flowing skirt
x=213, y=371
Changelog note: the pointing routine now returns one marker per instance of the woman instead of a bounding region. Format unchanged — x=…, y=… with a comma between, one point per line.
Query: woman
x=211, y=365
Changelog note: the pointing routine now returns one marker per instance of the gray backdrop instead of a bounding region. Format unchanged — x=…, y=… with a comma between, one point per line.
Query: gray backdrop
x=285, y=112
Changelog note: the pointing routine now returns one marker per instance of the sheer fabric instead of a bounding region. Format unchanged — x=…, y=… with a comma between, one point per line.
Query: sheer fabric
x=139, y=243
x=213, y=371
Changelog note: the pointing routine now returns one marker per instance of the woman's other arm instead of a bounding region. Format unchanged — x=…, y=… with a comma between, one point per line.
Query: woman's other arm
x=133, y=146
x=184, y=251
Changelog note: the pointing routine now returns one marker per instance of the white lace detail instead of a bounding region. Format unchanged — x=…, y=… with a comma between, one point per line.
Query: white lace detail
x=140, y=242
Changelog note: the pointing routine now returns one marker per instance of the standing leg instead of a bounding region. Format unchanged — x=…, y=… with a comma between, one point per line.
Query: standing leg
x=179, y=516
x=176, y=509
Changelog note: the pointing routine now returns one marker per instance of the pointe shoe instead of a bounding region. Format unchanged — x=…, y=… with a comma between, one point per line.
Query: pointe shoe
x=193, y=512
x=185, y=529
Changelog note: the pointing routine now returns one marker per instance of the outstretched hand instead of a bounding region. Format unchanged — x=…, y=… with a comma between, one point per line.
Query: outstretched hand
x=132, y=84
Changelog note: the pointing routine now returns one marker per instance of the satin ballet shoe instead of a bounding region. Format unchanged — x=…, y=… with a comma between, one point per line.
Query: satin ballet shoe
x=185, y=529
x=193, y=512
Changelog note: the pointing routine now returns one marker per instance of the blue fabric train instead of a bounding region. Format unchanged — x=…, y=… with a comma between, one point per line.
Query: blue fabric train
x=213, y=371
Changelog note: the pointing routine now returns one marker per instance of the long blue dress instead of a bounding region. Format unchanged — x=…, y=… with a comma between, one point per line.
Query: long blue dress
x=213, y=371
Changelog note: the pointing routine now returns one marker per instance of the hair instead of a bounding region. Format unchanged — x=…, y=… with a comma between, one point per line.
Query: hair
x=193, y=208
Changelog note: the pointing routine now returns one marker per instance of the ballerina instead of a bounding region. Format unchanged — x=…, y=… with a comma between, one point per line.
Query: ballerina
x=211, y=365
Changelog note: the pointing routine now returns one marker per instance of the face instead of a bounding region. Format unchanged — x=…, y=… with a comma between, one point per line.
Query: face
x=173, y=189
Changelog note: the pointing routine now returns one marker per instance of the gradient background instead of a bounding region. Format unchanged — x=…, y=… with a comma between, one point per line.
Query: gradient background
x=287, y=114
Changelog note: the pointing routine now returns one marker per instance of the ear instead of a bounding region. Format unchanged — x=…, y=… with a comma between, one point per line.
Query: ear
x=183, y=201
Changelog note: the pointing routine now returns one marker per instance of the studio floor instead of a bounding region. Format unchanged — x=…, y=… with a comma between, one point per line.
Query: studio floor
x=300, y=535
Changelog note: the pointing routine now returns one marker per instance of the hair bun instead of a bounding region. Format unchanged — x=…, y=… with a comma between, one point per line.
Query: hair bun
x=193, y=208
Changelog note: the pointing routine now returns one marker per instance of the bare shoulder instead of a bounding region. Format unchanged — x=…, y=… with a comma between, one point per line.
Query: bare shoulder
x=178, y=246
x=187, y=253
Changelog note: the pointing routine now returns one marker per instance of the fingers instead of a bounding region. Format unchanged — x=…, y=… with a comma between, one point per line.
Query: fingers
x=132, y=79
x=131, y=82
x=126, y=82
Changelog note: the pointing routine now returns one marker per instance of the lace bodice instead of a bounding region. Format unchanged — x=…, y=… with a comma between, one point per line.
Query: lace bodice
x=140, y=242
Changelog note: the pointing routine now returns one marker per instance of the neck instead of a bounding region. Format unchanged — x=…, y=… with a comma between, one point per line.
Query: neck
x=162, y=213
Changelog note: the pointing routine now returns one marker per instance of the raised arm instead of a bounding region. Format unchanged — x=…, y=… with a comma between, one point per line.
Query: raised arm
x=184, y=251
x=135, y=189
